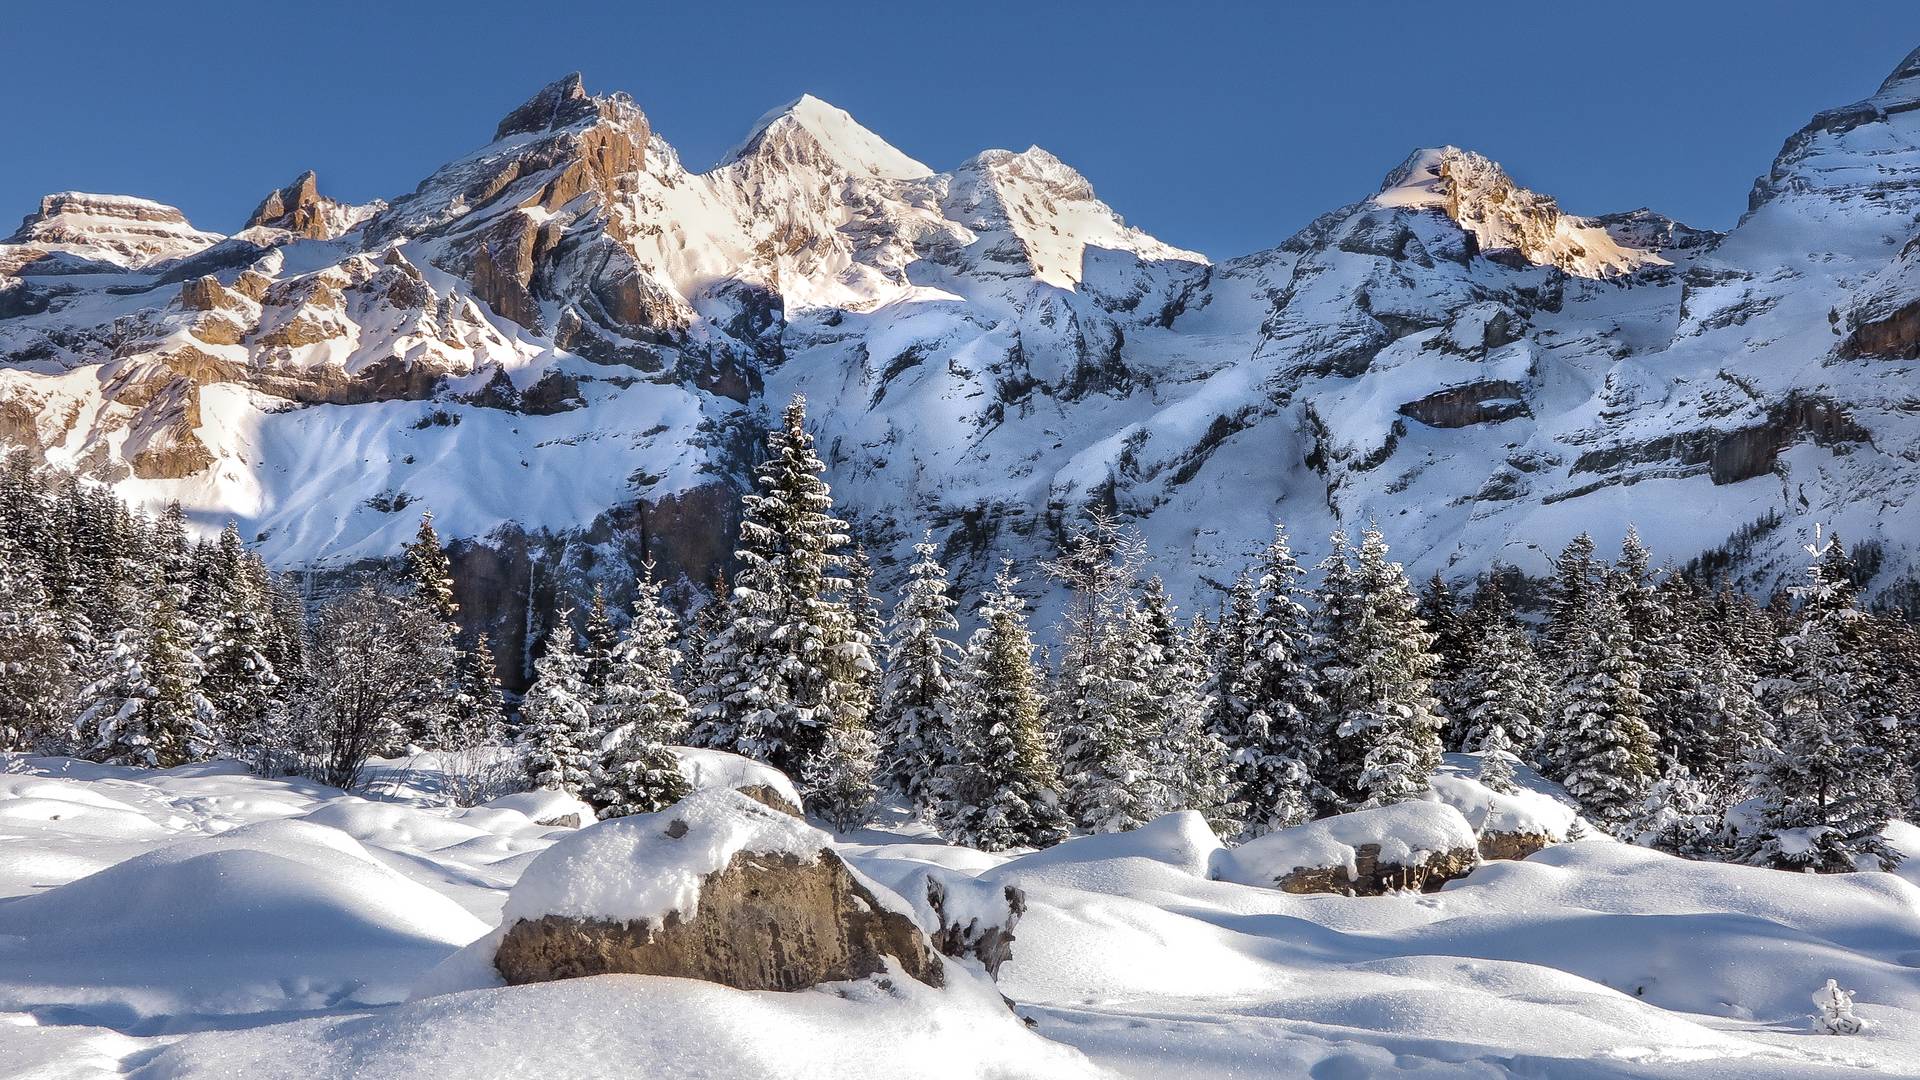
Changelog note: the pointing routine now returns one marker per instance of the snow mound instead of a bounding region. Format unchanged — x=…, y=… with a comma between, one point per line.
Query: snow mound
x=705, y=768
x=644, y=866
x=1407, y=833
x=542, y=805
x=635, y=1025
x=1181, y=839
x=278, y=916
x=1529, y=810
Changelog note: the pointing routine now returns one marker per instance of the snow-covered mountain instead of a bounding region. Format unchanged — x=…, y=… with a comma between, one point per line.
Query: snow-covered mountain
x=564, y=341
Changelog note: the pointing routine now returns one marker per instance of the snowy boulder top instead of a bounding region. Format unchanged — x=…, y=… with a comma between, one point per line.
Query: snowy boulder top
x=1486, y=810
x=645, y=866
x=1407, y=834
x=706, y=768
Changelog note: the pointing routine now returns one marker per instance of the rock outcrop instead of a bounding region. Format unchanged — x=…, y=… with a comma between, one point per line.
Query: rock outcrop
x=302, y=211
x=780, y=911
x=1406, y=846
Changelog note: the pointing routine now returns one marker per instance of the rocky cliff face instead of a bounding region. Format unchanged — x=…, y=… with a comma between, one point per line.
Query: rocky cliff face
x=563, y=341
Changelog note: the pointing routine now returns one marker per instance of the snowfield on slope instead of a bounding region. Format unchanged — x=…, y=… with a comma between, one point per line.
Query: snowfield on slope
x=204, y=922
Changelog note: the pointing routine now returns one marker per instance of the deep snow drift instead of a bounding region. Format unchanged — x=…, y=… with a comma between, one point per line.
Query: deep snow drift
x=202, y=922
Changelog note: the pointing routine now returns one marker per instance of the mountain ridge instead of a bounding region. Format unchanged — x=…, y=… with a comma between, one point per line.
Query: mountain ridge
x=563, y=342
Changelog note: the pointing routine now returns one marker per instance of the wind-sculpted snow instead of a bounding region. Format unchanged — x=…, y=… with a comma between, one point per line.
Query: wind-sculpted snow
x=202, y=922
x=569, y=334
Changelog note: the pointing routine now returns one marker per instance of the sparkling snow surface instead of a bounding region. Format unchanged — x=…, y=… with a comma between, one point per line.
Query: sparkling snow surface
x=201, y=922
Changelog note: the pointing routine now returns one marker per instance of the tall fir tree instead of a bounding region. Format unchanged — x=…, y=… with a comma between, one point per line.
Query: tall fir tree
x=597, y=641
x=557, y=729
x=1577, y=580
x=34, y=673
x=477, y=716
x=786, y=667
x=1826, y=792
x=1101, y=726
x=238, y=680
x=1277, y=750
x=429, y=585
x=1600, y=747
x=1004, y=790
x=148, y=709
x=1501, y=689
x=642, y=712
x=916, y=719
x=1375, y=673
x=1195, y=764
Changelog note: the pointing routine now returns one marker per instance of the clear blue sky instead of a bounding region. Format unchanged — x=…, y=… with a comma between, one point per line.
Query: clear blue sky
x=1218, y=127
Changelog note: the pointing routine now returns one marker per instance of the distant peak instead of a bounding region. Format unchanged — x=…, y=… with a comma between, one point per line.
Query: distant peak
x=833, y=134
x=559, y=104
x=1908, y=69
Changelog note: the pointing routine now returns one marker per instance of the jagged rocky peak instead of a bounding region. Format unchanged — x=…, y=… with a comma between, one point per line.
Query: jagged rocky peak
x=810, y=133
x=300, y=209
x=118, y=229
x=1504, y=217
x=561, y=103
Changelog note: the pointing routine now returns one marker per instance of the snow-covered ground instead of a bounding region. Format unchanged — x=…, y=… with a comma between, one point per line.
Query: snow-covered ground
x=204, y=922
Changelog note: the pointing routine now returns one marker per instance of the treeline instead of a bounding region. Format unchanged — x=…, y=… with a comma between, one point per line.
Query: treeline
x=1701, y=723
x=125, y=641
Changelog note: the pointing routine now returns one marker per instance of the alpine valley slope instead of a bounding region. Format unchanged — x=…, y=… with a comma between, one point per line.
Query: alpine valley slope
x=564, y=344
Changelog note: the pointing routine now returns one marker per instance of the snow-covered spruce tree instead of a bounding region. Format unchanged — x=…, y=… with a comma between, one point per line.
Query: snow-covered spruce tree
x=790, y=655
x=1004, y=790
x=238, y=680
x=1195, y=762
x=34, y=685
x=702, y=673
x=1278, y=748
x=916, y=720
x=1441, y=612
x=429, y=572
x=597, y=641
x=148, y=708
x=1681, y=816
x=477, y=715
x=1097, y=710
x=556, y=726
x=1600, y=747
x=642, y=713
x=1826, y=790
x=429, y=587
x=1501, y=688
x=1577, y=580
x=1497, y=761
x=1375, y=674
x=1227, y=707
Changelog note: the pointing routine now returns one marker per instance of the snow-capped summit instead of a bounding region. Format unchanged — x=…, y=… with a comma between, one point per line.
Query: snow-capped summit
x=1503, y=216
x=809, y=132
x=118, y=229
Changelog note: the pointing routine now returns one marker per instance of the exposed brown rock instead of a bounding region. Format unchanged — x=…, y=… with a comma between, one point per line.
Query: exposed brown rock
x=162, y=444
x=205, y=293
x=1373, y=878
x=1896, y=337
x=297, y=208
x=766, y=922
x=767, y=796
x=252, y=285
x=1512, y=845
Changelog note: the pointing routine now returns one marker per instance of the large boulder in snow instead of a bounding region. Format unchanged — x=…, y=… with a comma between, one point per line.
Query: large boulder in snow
x=717, y=887
x=1409, y=845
